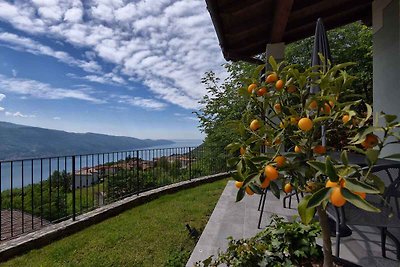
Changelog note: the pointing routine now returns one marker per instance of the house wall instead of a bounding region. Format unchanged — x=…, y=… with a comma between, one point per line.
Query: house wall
x=386, y=59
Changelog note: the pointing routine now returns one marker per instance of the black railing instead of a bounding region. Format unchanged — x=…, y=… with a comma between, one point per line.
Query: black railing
x=41, y=191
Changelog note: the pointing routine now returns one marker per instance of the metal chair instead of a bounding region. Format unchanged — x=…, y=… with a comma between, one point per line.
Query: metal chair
x=351, y=215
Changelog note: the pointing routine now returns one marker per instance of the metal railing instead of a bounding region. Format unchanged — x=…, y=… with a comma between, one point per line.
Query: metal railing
x=41, y=191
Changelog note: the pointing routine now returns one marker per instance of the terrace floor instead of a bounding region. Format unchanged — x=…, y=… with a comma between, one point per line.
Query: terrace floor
x=240, y=220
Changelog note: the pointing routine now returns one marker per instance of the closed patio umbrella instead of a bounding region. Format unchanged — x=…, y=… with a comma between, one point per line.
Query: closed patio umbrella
x=321, y=46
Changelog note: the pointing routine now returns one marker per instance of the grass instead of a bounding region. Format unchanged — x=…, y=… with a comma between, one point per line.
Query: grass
x=147, y=235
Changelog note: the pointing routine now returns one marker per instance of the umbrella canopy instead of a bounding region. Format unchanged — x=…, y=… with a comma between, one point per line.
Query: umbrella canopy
x=321, y=46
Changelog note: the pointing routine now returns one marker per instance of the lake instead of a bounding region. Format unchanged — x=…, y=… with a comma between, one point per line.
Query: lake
x=19, y=173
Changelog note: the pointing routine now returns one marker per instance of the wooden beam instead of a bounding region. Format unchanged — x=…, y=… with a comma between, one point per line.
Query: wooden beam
x=322, y=9
x=281, y=17
x=330, y=22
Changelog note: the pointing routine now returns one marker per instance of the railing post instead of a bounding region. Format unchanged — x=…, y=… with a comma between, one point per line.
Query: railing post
x=190, y=163
x=73, y=189
x=137, y=172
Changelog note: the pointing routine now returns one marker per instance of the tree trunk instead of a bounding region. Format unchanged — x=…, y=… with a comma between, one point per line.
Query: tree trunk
x=326, y=237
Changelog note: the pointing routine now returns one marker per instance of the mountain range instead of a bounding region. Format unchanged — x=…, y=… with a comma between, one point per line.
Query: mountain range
x=20, y=141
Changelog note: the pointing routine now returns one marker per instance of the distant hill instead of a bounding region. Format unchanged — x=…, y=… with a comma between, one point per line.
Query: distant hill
x=20, y=141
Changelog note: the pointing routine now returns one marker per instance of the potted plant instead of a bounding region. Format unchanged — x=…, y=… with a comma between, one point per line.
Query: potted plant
x=281, y=140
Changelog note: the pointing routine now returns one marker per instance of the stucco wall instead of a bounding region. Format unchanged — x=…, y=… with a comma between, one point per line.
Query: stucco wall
x=386, y=62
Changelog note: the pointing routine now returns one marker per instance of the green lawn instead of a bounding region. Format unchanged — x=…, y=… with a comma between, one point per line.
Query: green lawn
x=147, y=235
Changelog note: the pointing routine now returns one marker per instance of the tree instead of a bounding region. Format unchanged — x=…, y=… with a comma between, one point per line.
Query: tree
x=222, y=104
x=293, y=116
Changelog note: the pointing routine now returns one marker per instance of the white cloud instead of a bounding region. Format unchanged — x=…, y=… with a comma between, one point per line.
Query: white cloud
x=38, y=89
x=165, y=44
x=20, y=115
x=145, y=103
x=14, y=72
x=56, y=118
x=2, y=96
x=17, y=42
x=1, y=109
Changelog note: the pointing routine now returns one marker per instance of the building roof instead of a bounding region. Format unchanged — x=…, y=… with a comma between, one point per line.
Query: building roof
x=245, y=27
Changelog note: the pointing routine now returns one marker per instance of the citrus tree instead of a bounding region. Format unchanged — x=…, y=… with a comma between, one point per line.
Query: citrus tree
x=281, y=147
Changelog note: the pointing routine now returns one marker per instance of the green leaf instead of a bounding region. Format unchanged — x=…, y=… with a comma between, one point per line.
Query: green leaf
x=306, y=214
x=319, y=196
x=318, y=165
x=256, y=189
x=330, y=170
x=251, y=165
x=357, y=201
x=358, y=186
x=377, y=182
x=273, y=63
x=237, y=177
x=232, y=162
x=233, y=147
x=275, y=189
x=356, y=149
x=319, y=119
x=393, y=156
x=372, y=156
x=257, y=71
x=240, y=194
x=390, y=118
x=344, y=158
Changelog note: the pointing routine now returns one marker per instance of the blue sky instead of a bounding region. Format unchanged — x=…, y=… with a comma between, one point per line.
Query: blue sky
x=118, y=67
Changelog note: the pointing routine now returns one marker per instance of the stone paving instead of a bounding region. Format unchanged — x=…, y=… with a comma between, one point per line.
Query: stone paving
x=240, y=220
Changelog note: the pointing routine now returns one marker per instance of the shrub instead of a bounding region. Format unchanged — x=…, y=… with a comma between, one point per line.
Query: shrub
x=281, y=243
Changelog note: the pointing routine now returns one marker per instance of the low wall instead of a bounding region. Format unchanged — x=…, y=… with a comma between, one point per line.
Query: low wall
x=42, y=237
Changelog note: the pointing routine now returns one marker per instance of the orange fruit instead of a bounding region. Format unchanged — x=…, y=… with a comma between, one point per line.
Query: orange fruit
x=262, y=91
x=282, y=125
x=238, y=184
x=242, y=150
x=249, y=191
x=370, y=141
x=305, y=124
x=326, y=109
x=313, y=105
x=278, y=108
x=337, y=198
x=254, y=125
x=345, y=119
x=271, y=173
x=279, y=85
x=319, y=149
x=280, y=161
x=288, y=188
x=361, y=194
x=292, y=89
x=297, y=149
x=271, y=78
x=341, y=183
x=329, y=183
x=251, y=88
x=277, y=141
x=265, y=183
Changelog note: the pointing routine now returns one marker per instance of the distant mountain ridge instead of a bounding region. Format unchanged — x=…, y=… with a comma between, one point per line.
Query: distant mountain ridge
x=20, y=141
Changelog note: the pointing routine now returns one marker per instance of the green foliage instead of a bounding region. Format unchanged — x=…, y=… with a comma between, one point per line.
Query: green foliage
x=281, y=243
x=222, y=104
x=353, y=43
